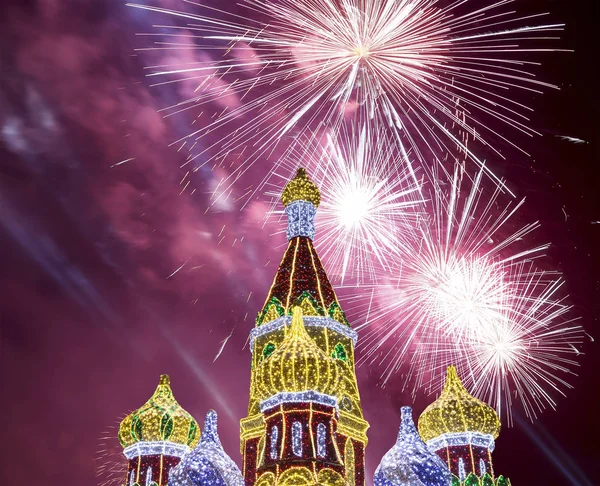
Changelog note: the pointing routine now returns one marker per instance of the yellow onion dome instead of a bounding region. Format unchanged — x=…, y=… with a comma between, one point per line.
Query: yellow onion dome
x=160, y=419
x=301, y=188
x=457, y=411
x=297, y=365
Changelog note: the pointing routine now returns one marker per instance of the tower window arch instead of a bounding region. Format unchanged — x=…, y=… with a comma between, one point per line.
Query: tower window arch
x=148, y=476
x=321, y=440
x=482, y=468
x=297, y=439
x=274, y=437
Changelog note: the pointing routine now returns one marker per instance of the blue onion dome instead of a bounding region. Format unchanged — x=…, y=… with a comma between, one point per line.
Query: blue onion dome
x=207, y=464
x=409, y=462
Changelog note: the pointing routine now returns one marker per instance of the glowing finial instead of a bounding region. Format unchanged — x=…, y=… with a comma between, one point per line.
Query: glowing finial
x=301, y=188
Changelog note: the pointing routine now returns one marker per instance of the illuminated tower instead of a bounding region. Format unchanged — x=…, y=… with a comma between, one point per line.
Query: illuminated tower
x=305, y=423
x=156, y=436
x=462, y=429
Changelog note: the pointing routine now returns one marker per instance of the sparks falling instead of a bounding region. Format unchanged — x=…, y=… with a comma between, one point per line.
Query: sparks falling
x=436, y=76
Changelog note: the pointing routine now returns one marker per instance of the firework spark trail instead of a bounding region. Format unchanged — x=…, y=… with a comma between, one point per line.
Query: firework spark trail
x=463, y=296
x=433, y=75
x=528, y=352
x=368, y=205
x=110, y=466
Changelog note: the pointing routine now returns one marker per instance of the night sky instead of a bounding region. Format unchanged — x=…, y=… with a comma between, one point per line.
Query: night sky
x=90, y=316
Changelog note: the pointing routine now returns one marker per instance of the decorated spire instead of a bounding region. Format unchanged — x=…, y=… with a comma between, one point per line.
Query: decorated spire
x=161, y=418
x=301, y=197
x=457, y=411
x=409, y=462
x=301, y=279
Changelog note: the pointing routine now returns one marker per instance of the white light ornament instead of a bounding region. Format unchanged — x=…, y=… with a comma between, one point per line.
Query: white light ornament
x=301, y=219
x=409, y=462
x=207, y=464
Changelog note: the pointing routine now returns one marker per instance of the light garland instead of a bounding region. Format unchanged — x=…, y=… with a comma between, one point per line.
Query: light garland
x=461, y=439
x=309, y=321
x=156, y=436
x=274, y=437
x=297, y=365
x=297, y=439
x=155, y=448
x=409, y=462
x=301, y=188
x=462, y=474
x=321, y=436
x=298, y=397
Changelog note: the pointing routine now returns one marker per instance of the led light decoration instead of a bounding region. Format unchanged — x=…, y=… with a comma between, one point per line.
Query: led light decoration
x=161, y=418
x=301, y=279
x=302, y=374
x=409, y=462
x=207, y=464
x=321, y=437
x=297, y=365
x=301, y=188
x=156, y=436
x=297, y=438
x=274, y=437
x=299, y=397
x=280, y=323
x=461, y=430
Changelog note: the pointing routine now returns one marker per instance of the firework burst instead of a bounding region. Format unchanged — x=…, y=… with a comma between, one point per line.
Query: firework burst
x=435, y=74
x=526, y=354
x=460, y=296
x=368, y=203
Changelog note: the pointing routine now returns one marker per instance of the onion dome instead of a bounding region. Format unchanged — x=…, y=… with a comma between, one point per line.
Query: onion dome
x=297, y=365
x=409, y=462
x=160, y=419
x=301, y=188
x=457, y=411
x=207, y=464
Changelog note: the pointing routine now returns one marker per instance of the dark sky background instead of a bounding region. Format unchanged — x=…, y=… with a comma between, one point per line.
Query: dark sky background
x=89, y=319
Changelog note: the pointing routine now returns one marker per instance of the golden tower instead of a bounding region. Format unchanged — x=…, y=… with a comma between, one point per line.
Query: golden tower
x=305, y=423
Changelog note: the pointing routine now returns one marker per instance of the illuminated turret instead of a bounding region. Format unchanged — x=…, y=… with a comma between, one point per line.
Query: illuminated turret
x=305, y=422
x=462, y=430
x=156, y=436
